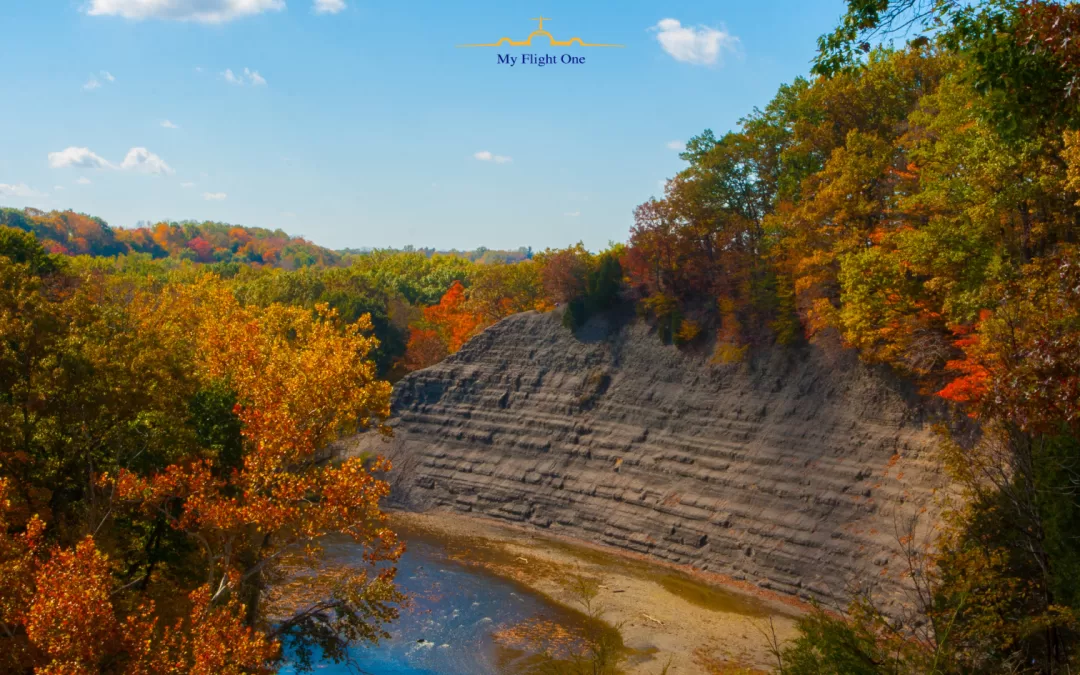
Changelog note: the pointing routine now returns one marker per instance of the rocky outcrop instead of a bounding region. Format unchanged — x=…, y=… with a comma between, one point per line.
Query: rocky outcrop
x=796, y=470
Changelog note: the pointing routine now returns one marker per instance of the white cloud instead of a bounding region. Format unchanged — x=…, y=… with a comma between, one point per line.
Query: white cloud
x=288, y=214
x=202, y=11
x=699, y=45
x=169, y=125
x=676, y=145
x=137, y=159
x=252, y=77
x=214, y=196
x=187, y=185
x=572, y=214
x=329, y=6
x=255, y=78
x=486, y=156
x=198, y=69
x=57, y=188
x=83, y=180
x=19, y=190
x=144, y=161
x=94, y=83
x=80, y=158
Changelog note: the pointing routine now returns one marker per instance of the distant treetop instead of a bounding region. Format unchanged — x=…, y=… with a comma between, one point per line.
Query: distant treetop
x=73, y=233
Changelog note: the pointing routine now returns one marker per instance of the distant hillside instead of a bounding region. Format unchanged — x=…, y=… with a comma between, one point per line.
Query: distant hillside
x=73, y=233
x=482, y=255
x=79, y=234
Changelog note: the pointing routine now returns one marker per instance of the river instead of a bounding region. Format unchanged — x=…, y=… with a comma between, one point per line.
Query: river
x=473, y=608
x=454, y=612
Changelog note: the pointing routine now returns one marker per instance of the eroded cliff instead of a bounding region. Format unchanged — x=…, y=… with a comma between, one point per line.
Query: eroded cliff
x=796, y=470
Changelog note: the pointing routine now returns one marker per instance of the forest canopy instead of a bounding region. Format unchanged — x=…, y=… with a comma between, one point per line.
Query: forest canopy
x=918, y=201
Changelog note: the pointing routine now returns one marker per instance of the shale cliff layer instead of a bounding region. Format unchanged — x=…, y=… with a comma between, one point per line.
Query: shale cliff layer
x=797, y=470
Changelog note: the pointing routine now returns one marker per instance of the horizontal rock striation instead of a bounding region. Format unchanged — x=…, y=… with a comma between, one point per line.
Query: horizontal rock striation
x=797, y=470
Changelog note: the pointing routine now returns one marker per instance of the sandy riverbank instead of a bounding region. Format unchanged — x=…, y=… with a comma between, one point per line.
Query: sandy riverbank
x=701, y=622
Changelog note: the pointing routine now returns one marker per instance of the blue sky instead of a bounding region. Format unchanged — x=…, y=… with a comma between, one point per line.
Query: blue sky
x=358, y=123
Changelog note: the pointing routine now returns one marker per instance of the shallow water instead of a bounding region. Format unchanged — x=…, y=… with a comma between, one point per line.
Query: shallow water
x=454, y=612
x=456, y=608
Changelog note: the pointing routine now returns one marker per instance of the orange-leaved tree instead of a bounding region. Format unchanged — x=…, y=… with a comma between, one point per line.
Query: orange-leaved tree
x=175, y=563
x=443, y=330
x=300, y=381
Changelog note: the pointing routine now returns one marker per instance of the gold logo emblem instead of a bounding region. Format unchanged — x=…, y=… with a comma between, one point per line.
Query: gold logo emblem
x=527, y=42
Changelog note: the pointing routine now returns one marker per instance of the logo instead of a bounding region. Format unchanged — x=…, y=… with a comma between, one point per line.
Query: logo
x=527, y=42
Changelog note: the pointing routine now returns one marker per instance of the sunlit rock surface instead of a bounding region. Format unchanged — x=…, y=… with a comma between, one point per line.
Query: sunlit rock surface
x=797, y=470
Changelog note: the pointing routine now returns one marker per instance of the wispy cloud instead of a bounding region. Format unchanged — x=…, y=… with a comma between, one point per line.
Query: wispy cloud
x=572, y=214
x=94, y=83
x=676, y=145
x=700, y=45
x=249, y=76
x=201, y=11
x=214, y=196
x=255, y=78
x=329, y=6
x=57, y=188
x=83, y=180
x=487, y=156
x=19, y=191
x=169, y=125
x=187, y=184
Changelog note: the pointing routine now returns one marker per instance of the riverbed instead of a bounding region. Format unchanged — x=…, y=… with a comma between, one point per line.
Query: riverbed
x=484, y=598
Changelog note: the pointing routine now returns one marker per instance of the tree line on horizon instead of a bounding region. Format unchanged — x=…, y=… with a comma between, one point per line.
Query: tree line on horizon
x=918, y=203
x=72, y=233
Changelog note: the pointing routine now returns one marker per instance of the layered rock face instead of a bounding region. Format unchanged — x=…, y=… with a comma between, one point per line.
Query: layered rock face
x=797, y=470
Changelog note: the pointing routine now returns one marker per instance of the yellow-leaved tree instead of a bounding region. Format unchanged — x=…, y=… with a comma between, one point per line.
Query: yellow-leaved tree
x=169, y=568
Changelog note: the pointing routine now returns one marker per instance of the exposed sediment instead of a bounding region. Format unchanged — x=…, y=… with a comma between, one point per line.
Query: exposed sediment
x=796, y=470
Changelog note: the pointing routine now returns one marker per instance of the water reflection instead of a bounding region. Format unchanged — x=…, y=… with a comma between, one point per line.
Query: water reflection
x=463, y=593
x=454, y=613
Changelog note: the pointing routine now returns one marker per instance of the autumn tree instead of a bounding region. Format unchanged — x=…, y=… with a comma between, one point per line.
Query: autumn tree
x=444, y=329
x=163, y=462
x=285, y=367
x=500, y=289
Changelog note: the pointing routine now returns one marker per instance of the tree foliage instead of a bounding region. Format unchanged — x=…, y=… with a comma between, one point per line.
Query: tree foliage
x=163, y=462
